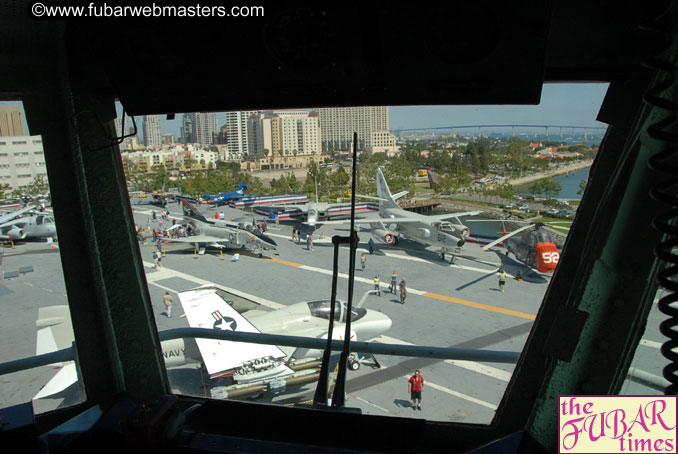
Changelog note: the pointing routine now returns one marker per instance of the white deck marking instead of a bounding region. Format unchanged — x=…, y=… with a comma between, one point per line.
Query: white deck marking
x=374, y=405
x=455, y=394
x=649, y=343
x=473, y=366
x=166, y=273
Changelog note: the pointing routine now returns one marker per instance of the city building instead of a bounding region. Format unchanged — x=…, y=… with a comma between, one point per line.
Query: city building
x=337, y=125
x=220, y=137
x=129, y=143
x=152, y=133
x=11, y=121
x=22, y=159
x=236, y=126
x=168, y=139
x=204, y=125
x=384, y=142
x=187, y=128
x=186, y=157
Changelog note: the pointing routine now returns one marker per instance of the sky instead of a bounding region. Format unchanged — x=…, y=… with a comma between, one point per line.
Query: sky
x=561, y=104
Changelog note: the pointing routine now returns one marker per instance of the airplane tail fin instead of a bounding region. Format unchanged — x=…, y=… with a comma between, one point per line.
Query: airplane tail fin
x=384, y=194
x=243, y=185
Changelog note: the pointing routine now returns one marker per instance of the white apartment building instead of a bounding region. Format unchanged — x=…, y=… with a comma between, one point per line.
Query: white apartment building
x=172, y=158
x=337, y=125
x=152, y=133
x=236, y=125
x=299, y=132
x=22, y=158
x=384, y=142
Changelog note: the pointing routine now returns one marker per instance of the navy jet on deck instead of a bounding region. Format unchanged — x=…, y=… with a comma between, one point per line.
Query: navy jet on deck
x=219, y=234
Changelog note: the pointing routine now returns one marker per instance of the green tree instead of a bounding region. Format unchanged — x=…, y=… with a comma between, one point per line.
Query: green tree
x=39, y=185
x=582, y=186
x=546, y=186
x=4, y=190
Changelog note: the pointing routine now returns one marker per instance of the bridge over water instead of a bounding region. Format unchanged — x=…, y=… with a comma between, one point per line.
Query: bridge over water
x=563, y=130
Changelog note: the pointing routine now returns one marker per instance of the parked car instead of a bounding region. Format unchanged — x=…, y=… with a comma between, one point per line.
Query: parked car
x=566, y=214
x=510, y=206
x=523, y=207
x=552, y=211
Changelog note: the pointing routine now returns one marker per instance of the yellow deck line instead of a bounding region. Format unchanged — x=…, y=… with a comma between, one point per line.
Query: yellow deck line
x=285, y=262
x=485, y=307
x=449, y=299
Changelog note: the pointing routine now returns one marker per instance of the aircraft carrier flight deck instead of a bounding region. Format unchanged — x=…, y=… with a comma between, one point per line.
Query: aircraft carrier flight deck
x=448, y=305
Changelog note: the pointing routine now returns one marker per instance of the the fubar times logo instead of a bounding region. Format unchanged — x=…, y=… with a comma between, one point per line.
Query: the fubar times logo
x=617, y=424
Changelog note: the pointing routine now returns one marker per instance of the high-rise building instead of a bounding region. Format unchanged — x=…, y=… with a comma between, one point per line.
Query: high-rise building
x=236, y=124
x=337, y=125
x=204, y=124
x=187, y=128
x=299, y=132
x=283, y=133
x=221, y=136
x=152, y=133
x=11, y=121
x=168, y=139
x=129, y=142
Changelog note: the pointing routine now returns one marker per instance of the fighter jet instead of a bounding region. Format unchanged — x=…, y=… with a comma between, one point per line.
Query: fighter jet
x=225, y=197
x=21, y=225
x=445, y=230
x=235, y=369
x=203, y=232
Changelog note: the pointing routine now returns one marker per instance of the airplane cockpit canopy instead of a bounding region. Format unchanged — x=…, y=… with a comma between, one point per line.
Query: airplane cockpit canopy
x=321, y=309
x=444, y=226
x=42, y=219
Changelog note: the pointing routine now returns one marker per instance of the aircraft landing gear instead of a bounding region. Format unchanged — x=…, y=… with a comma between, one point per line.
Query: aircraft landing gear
x=353, y=362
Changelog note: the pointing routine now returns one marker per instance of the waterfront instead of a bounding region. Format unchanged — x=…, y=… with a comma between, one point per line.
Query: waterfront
x=569, y=183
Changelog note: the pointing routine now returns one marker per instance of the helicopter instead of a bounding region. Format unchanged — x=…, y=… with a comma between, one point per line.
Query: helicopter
x=532, y=245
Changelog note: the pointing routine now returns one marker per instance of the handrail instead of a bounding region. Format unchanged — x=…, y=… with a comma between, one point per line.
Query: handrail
x=491, y=356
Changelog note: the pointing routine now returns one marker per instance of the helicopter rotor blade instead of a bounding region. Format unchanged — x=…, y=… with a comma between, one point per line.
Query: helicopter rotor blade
x=508, y=235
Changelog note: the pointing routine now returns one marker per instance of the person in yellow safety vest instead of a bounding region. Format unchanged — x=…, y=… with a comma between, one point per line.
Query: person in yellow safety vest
x=376, y=285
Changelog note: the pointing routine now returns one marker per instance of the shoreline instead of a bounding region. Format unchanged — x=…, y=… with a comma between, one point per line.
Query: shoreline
x=551, y=173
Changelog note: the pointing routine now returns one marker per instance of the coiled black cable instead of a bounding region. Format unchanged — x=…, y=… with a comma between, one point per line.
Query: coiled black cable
x=665, y=192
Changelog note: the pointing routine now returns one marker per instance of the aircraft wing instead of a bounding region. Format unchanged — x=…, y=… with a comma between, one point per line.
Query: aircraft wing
x=443, y=217
x=204, y=308
x=7, y=217
x=199, y=239
x=55, y=333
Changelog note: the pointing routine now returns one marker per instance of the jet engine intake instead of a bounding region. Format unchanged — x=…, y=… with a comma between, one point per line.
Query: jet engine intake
x=385, y=236
x=15, y=233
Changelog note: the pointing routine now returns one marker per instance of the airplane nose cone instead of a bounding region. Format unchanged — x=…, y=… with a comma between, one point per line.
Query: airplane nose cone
x=268, y=240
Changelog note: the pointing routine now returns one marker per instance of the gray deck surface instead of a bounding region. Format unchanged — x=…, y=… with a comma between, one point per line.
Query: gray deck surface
x=448, y=305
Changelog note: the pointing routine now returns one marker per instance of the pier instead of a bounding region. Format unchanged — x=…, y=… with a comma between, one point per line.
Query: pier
x=423, y=206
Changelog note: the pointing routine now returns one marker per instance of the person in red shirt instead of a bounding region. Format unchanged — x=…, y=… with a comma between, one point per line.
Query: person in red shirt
x=415, y=386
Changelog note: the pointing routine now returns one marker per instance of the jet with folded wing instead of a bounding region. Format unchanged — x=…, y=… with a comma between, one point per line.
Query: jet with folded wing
x=20, y=225
x=220, y=234
x=253, y=366
x=238, y=369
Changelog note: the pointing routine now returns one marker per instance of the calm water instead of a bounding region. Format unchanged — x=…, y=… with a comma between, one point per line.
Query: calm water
x=570, y=184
